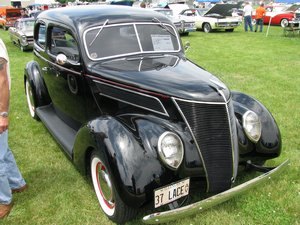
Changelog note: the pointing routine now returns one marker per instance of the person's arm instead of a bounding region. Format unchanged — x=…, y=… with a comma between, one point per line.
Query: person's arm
x=4, y=95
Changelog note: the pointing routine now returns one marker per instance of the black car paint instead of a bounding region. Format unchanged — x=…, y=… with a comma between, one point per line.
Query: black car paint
x=102, y=123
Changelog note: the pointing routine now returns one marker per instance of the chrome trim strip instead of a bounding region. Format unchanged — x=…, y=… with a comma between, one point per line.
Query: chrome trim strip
x=132, y=53
x=195, y=140
x=209, y=103
x=162, y=217
x=165, y=113
x=230, y=130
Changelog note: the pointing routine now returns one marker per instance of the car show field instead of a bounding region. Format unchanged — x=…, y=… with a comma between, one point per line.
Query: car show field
x=265, y=67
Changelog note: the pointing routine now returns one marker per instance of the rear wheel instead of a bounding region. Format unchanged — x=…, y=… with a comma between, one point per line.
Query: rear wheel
x=30, y=100
x=35, y=89
x=108, y=198
x=207, y=28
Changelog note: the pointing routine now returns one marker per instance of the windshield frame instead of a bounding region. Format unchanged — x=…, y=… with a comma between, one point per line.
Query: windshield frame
x=86, y=47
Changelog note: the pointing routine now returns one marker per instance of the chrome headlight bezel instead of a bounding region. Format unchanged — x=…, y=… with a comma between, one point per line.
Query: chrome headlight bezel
x=168, y=161
x=252, y=126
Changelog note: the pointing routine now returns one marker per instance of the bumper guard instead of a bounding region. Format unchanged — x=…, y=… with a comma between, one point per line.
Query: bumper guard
x=163, y=217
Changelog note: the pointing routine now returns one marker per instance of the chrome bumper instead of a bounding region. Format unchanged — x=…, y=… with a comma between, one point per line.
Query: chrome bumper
x=197, y=207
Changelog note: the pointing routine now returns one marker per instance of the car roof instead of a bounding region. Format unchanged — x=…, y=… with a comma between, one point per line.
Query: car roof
x=93, y=15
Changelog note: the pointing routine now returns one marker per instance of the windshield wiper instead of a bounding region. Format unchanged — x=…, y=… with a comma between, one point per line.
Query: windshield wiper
x=163, y=26
x=141, y=57
x=98, y=32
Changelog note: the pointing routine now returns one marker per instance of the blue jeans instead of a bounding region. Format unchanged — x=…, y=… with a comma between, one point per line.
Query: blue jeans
x=248, y=22
x=10, y=176
x=260, y=23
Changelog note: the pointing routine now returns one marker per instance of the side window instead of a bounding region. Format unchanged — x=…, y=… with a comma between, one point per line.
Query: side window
x=41, y=35
x=63, y=42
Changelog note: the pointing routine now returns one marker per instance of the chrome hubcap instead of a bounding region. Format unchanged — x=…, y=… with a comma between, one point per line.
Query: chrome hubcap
x=105, y=185
x=30, y=99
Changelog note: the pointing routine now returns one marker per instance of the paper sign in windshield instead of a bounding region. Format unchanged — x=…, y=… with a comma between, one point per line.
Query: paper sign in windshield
x=162, y=42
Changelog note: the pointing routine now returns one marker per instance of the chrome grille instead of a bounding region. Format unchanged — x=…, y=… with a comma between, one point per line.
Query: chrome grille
x=30, y=39
x=212, y=132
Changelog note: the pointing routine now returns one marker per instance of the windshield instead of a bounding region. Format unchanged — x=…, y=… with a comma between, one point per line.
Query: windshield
x=27, y=25
x=112, y=41
x=201, y=12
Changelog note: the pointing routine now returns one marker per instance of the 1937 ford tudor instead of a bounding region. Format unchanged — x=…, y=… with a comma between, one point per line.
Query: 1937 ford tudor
x=113, y=86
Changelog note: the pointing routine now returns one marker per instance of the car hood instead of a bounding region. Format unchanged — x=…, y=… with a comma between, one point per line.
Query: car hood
x=221, y=9
x=27, y=33
x=293, y=8
x=172, y=76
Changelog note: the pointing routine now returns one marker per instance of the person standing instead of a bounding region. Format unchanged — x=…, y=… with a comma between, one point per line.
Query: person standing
x=259, y=17
x=247, y=13
x=11, y=180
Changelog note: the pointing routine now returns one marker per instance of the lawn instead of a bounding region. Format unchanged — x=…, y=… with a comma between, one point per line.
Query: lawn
x=267, y=68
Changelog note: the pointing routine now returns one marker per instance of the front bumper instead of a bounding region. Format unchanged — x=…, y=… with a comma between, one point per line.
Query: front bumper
x=197, y=207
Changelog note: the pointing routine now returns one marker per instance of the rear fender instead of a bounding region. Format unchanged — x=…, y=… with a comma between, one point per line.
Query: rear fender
x=33, y=74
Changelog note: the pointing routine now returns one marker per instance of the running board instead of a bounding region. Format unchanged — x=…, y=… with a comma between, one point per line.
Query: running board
x=64, y=134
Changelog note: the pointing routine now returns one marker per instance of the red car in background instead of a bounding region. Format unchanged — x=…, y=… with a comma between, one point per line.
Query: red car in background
x=280, y=14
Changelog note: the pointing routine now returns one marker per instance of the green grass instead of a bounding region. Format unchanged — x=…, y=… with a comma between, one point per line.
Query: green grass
x=267, y=68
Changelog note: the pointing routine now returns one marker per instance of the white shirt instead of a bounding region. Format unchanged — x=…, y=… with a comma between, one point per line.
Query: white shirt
x=4, y=55
x=247, y=10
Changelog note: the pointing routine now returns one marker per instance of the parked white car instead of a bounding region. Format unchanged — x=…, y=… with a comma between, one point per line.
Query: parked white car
x=219, y=17
x=184, y=26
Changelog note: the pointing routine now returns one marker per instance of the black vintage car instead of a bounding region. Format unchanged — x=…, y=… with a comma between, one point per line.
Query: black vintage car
x=113, y=86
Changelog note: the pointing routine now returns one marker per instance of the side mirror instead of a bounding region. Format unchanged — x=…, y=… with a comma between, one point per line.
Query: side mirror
x=187, y=46
x=61, y=59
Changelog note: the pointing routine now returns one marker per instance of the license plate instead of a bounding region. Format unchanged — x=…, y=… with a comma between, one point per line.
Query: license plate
x=171, y=193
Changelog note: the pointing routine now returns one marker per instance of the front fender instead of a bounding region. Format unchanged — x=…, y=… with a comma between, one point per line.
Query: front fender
x=136, y=169
x=269, y=145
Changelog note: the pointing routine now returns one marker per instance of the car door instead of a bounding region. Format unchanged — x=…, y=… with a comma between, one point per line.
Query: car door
x=64, y=78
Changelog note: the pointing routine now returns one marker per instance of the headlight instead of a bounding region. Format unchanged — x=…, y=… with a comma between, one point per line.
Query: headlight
x=24, y=39
x=170, y=149
x=252, y=126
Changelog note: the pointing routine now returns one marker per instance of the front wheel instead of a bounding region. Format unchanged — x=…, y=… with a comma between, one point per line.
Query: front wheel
x=284, y=23
x=207, y=28
x=22, y=48
x=110, y=202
